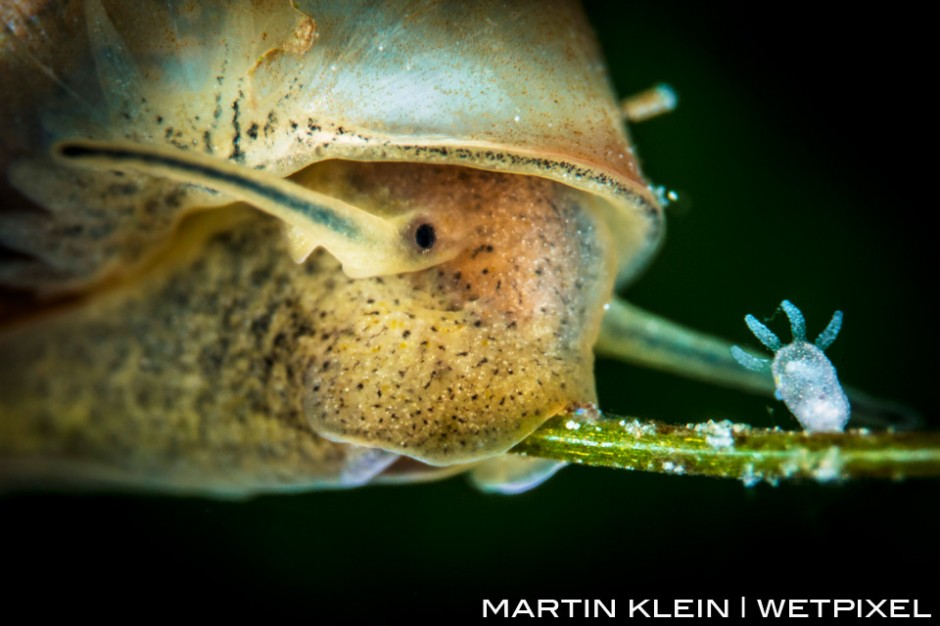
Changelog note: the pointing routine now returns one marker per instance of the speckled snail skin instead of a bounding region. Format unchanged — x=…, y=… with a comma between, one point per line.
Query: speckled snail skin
x=163, y=337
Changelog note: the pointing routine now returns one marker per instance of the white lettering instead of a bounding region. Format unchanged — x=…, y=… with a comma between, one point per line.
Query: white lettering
x=523, y=608
x=819, y=605
x=796, y=606
x=876, y=608
x=681, y=610
x=656, y=612
x=917, y=612
x=638, y=607
x=548, y=606
x=502, y=606
x=844, y=606
x=897, y=608
x=610, y=611
x=772, y=607
x=721, y=609
x=571, y=604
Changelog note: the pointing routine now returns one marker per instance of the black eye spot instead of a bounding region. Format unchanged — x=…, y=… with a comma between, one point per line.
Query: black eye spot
x=425, y=236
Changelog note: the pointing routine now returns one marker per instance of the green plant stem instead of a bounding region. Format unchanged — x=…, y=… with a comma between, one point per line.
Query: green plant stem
x=730, y=450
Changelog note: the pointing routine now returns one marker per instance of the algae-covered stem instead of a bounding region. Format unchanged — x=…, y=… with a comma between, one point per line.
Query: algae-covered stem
x=728, y=450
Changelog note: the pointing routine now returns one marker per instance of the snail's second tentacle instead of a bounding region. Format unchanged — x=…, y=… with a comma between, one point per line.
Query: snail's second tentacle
x=632, y=334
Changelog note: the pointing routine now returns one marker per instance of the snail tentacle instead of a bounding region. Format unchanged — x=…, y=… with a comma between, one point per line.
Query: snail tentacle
x=367, y=245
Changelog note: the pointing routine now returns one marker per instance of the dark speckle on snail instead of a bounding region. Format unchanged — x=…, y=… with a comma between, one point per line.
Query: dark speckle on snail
x=347, y=251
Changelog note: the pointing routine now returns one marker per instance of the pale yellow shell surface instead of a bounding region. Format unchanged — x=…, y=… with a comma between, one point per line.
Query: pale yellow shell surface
x=199, y=356
x=508, y=86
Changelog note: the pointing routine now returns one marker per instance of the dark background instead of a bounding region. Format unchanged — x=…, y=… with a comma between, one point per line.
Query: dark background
x=803, y=150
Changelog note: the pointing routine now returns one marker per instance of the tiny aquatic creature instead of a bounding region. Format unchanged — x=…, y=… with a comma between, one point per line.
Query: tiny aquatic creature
x=805, y=378
x=176, y=345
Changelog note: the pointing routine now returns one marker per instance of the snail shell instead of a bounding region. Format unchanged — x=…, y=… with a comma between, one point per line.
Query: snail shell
x=183, y=349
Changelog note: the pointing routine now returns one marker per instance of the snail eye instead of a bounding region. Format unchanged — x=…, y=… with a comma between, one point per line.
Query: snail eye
x=425, y=236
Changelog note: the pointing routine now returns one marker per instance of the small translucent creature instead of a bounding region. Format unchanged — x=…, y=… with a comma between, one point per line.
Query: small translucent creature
x=806, y=380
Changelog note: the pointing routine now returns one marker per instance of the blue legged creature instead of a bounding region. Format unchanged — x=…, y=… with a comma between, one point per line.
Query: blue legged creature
x=806, y=380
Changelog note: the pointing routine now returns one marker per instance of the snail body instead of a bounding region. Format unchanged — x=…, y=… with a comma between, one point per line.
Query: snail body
x=176, y=343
